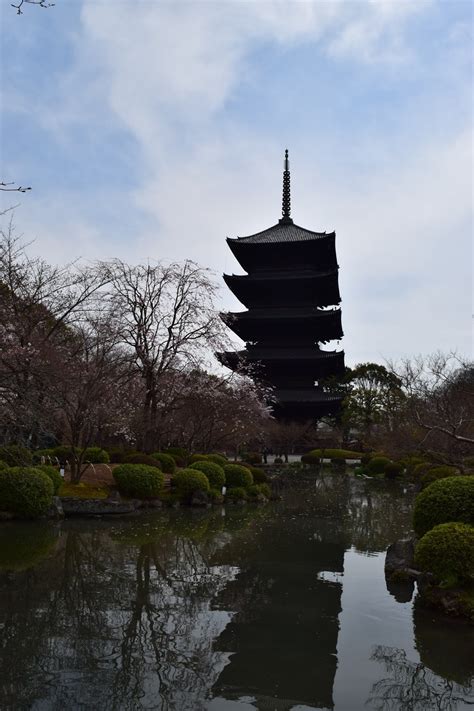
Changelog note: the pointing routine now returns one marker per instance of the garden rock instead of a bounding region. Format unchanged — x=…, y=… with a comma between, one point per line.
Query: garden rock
x=400, y=556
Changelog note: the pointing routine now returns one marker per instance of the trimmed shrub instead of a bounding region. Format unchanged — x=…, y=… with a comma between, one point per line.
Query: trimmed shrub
x=360, y=471
x=420, y=469
x=214, y=473
x=53, y=474
x=237, y=493
x=25, y=491
x=449, y=499
x=166, y=461
x=138, y=480
x=259, y=476
x=96, y=455
x=140, y=458
x=265, y=490
x=218, y=459
x=393, y=470
x=198, y=458
x=117, y=455
x=436, y=473
x=253, y=458
x=63, y=453
x=447, y=551
x=377, y=465
x=179, y=454
x=253, y=491
x=14, y=455
x=215, y=496
x=187, y=481
x=365, y=459
x=237, y=476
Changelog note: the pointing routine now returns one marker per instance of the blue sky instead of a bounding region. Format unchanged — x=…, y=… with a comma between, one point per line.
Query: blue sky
x=152, y=129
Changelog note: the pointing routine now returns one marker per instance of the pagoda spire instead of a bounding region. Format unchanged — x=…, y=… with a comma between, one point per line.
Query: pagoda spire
x=286, y=200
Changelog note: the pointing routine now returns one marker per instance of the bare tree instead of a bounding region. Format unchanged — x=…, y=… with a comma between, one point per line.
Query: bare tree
x=440, y=391
x=167, y=321
x=40, y=3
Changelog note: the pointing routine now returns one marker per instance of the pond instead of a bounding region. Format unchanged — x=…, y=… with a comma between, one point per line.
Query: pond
x=277, y=607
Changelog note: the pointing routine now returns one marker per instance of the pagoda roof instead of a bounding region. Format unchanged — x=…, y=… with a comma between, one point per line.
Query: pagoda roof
x=272, y=275
x=257, y=353
x=284, y=231
x=301, y=312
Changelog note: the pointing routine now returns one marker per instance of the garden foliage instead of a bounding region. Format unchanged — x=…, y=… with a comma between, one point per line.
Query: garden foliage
x=447, y=551
x=138, y=480
x=237, y=476
x=445, y=500
x=166, y=462
x=187, y=481
x=25, y=491
x=214, y=473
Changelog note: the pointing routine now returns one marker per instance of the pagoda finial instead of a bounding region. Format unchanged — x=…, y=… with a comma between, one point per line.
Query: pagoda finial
x=286, y=201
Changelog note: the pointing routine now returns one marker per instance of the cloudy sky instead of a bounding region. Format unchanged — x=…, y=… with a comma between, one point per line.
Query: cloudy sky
x=153, y=130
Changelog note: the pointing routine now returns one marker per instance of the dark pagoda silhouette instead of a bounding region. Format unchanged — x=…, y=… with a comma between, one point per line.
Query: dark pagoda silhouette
x=291, y=292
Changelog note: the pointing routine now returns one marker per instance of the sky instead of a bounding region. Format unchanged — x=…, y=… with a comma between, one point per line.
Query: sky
x=152, y=130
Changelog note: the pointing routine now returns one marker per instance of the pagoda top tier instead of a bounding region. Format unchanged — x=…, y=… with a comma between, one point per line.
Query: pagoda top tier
x=282, y=232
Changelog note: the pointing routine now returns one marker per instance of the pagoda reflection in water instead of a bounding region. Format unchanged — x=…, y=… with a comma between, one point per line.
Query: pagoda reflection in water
x=292, y=295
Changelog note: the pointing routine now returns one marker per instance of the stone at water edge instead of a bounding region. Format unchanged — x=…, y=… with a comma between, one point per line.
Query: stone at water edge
x=199, y=498
x=400, y=556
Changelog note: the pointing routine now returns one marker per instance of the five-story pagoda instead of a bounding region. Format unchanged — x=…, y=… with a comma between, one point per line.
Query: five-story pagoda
x=291, y=292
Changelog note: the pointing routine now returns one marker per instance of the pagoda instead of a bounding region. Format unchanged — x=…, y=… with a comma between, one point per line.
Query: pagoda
x=292, y=295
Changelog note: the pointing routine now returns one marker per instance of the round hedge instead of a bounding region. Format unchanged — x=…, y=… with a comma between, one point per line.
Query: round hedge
x=377, y=465
x=214, y=473
x=96, y=455
x=25, y=491
x=166, y=461
x=237, y=476
x=14, y=455
x=257, y=489
x=187, y=481
x=53, y=474
x=237, y=493
x=449, y=499
x=138, y=480
x=140, y=458
x=436, y=473
x=447, y=551
x=217, y=459
x=198, y=458
x=259, y=476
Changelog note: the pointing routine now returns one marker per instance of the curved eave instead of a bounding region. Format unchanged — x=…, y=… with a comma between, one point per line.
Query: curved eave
x=282, y=233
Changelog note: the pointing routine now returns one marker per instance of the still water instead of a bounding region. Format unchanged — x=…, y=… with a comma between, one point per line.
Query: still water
x=272, y=608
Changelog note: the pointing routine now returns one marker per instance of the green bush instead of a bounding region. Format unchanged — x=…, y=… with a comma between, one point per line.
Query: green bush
x=377, y=465
x=187, y=481
x=96, y=455
x=63, y=453
x=265, y=490
x=117, y=455
x=237, y=476
x=214, y=473
x=360, y=471
x=422, y=468
x=14, y=455
x=259, y=476
x=447, y=551
x=179, y=454
x=436, y=473
x=25, y=491
x=253, y=458
x=236, y=493
x=218, y=459
x=215, y=495
x=138, y=480
x=166, y=461
x=198, y=458
x=365, y=459
x=53, y=474
x=140, y=458
x=445, y=500
x=393, y=470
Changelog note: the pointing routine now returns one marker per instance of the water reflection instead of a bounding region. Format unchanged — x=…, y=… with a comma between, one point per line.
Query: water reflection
x=185, y=610
x=414, y=687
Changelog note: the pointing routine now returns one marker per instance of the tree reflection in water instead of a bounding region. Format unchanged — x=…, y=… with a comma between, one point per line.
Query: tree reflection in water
x=411, y=686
